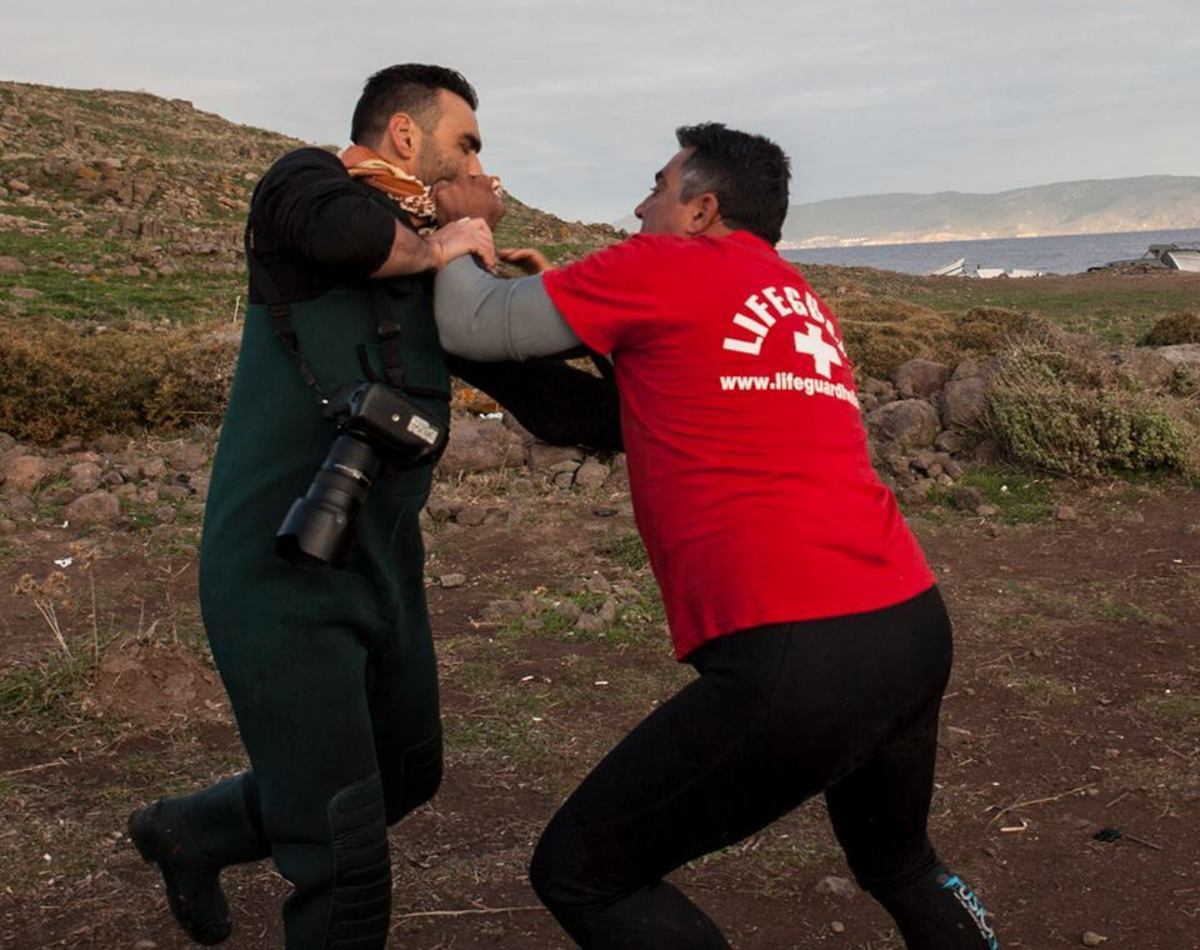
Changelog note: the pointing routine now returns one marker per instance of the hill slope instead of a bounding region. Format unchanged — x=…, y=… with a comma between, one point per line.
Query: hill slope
x=1150, y=203
x=104, y=192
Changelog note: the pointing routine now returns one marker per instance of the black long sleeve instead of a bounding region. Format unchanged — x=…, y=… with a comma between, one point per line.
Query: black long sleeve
x=555, y=401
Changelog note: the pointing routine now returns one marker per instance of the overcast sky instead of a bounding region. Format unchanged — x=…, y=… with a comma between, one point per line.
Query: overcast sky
x=579, y=100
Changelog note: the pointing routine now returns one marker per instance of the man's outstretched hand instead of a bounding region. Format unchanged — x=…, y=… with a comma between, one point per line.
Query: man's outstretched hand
x=528, y=259
x=471, y=196
x=464, y=236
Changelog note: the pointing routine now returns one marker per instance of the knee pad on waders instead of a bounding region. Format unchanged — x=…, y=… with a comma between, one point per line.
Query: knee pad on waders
x=415, y=781
x=360, y=909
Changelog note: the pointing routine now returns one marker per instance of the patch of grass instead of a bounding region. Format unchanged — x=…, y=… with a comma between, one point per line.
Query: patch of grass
x=191, y=295
x=626, y=550
x=636, y=619
x=1121, y=611
x=1042, y=690
x=1022, y=498
x=1181, y=711
x=46, y=688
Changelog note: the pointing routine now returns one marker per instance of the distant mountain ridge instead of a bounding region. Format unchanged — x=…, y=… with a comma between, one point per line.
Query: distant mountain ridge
x=1095, y=206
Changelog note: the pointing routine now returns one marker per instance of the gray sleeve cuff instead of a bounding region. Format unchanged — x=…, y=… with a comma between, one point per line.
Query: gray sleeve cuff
x=485, y=318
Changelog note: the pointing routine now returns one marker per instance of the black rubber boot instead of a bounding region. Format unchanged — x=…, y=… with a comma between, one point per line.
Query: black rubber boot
x=190, y=878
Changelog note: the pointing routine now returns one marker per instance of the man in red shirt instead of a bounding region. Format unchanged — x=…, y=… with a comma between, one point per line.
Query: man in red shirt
x=791, y=582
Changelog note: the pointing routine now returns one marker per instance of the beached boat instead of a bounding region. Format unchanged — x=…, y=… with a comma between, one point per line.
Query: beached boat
x=1022, y=272
x=953, y=269
x=1183, y=258
x=988, y=273
x=1160, y=255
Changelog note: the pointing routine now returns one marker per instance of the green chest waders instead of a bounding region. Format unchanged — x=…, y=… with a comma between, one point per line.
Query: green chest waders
x=330, y=673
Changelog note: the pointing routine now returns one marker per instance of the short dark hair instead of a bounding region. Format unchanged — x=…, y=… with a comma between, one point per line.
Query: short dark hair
x=411, y=88
x=748, y=174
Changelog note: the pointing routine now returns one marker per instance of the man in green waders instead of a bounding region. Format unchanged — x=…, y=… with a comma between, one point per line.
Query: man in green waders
x=331, y=672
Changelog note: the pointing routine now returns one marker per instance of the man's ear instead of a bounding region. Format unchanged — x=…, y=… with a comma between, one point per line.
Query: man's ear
x=404, y=136
x=703, y=213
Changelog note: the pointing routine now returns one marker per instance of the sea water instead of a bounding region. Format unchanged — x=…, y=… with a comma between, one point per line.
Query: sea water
x=1063, y=254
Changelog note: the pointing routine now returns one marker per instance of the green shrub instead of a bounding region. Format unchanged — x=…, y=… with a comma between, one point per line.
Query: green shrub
x=1177, y=328
x=1054, y=409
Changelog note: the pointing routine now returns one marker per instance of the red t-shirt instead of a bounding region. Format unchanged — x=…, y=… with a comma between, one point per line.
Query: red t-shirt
x=748, y=465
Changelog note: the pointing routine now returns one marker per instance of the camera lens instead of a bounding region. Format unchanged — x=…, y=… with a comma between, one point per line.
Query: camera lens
x=319, y=528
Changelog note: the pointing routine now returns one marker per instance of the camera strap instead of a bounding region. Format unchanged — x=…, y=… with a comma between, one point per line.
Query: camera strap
x=281, y=315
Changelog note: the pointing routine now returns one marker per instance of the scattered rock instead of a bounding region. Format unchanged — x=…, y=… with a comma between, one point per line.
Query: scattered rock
x=966, y=498
x=25, y=293
x=452, y=580
x=987, y=511
x=187, y=457
x=471, y=515
x=569, y=609
x=919, y=378
x=1090, y=938
x=837, y=886
x=440, y=509
x=10, y=265
x=907, y=423
x=964, y=402
x=564, y=479
x=608, y=611
x=98, y=507
x=20, y=507
x=837, y=927
x=590, y=623
x=24, y=473
x=199, y=485
x=1065, y=513
x=543, y=456
x=481, y=445
x=85, y=477
x=591, y=474
x=950, y=442
x=501, y=609
x=598, y=584
x=153, y=468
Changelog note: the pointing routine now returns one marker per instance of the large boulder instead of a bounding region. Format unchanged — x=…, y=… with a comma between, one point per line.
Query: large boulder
x=481, y=445
x=906, y=424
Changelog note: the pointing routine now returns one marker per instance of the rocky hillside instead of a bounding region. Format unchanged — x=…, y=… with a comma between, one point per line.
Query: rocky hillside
x=104, y=193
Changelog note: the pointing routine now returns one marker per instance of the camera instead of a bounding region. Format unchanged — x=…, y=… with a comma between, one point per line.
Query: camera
x=376, y=426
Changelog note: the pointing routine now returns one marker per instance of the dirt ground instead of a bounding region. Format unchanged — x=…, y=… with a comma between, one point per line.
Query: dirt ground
x=1074, y=706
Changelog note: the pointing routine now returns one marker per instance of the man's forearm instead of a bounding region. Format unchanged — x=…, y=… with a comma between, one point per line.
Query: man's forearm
x=413, y=254
x=410, y=254
x=483, y=318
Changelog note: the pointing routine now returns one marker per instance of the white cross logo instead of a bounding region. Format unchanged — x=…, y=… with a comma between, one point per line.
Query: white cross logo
x=813, y=343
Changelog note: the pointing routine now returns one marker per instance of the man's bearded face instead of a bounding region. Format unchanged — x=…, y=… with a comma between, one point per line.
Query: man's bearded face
x=450, y=148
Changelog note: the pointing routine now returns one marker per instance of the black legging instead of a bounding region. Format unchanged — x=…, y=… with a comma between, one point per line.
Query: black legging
x=847, y=706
